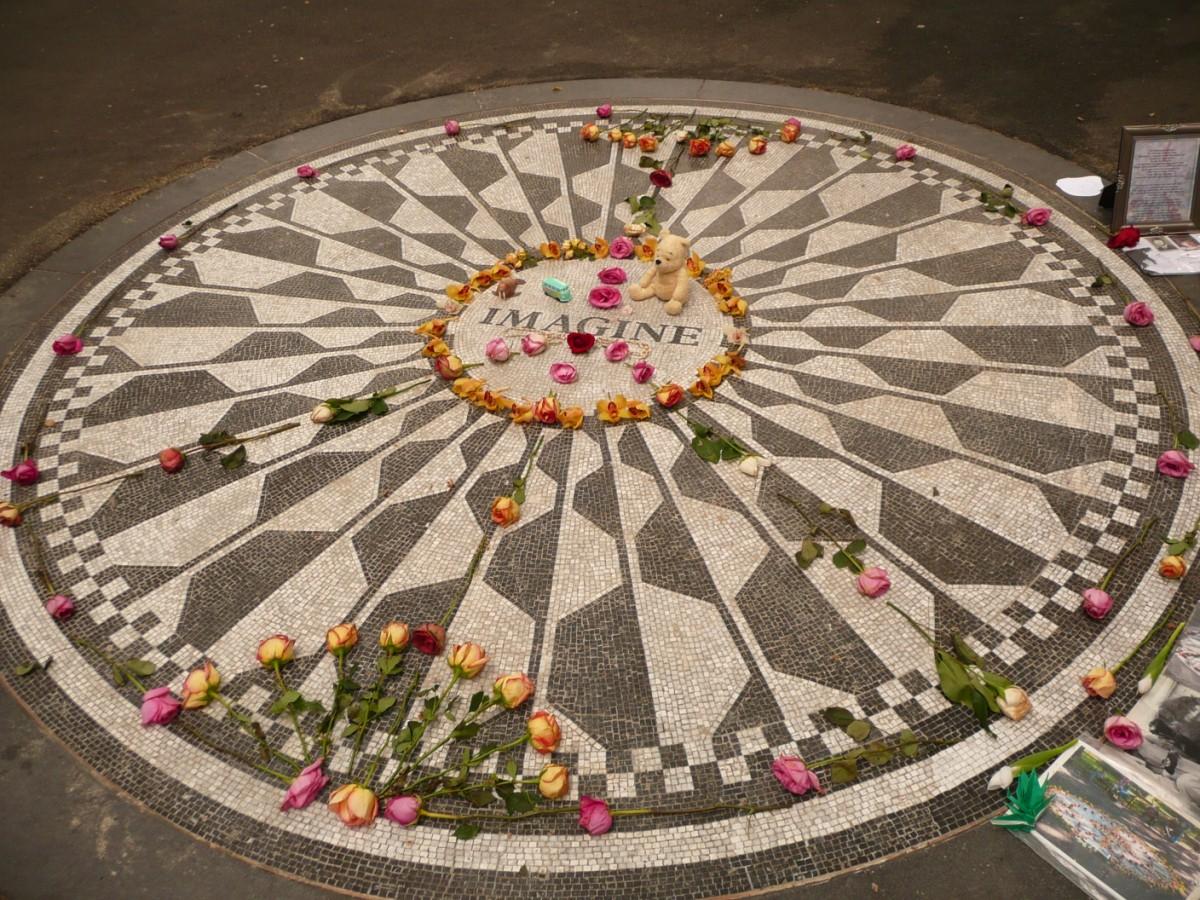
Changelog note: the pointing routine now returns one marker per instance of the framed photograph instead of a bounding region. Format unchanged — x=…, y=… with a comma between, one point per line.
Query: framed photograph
x=1158, y=179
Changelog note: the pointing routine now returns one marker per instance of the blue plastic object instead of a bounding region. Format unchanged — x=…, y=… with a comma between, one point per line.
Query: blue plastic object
x=559, y=290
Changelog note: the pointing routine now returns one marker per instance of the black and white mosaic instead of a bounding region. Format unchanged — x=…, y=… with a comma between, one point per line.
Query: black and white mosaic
x=946, y=374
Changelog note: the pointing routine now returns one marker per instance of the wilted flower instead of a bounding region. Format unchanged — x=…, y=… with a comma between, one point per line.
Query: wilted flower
x=546, y=410
x=1002, y=780
x=590, y=132
x=571, y=417
x=200, y=686
x=905, y=151
x=757, y=145
x=1138, y=314
x=1037, y=216
x=1172, y=567
x=449, y=367
x=648, y=143
x=661, y=178
x=873, y=582
x=496, y=350
x=1172, y=463
x=452, y=127
x=563, y=373
x=642, y=371
x=699, y=146
x=168, y=242
x=604, y=110
x=533, y=343
x=10, y=516
x=726, y=149
x=616, y=351
x=1125, y=237
x=620, y=248
x=669, y=395
x=306, y=171
x=1096, y=603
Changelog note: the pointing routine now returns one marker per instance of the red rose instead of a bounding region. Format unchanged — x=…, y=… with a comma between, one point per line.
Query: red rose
x=661, y=178
x=580, y=341
x=430, y=638
x=171, y=460
x=699, y=146
x=1126, y=237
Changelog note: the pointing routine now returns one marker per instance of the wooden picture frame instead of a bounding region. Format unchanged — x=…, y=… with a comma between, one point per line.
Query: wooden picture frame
x=1158, y=179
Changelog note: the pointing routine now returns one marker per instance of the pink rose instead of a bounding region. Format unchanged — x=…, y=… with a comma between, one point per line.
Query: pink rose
x=1138, y=313
x=1195, y=342
x=793, y=121
x=533, y=344
x=616, y=351
x=1037, y=216
x=405, y=810
x=1096, y=603
x=905, y=151
x=795, y=777
x=496, y=350
x=67, y=345
x=452, y=127
x=306, y=171
x=1173, y=463
x=604, y=297
x=873, y=582
x=662, y=178
x=60, y=607
x=612, y=275
x=642, y=371
x=604, y=110
x=1122, y=733
x=304, y=787
x=168, y=242
x=563, y=373
x=159, y=706
x=594, y=817
x=621, y=248
x=23, y=473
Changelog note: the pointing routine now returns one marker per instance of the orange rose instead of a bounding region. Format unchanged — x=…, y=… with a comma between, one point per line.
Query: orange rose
x=200, y=686
x=726, y=149
x=544, y=733
x=701, y=388
x=615, y=135
x=699, y=146
x=354, y=804
x=1099, y=682
x=554, y=782
x=611, y=411
x=435, y=347
x=467, y=660
x=546, y=410
x=571, y=417
x=590, y=132
x=505, y=511
x=757, y=145
x=730, y=362
x=1172, y=567
x=277, y=649
x=550, y=250
x=467, y=388
x=494, y=402
x=394, y=636
x=648, y=143
x=720, y=288
x=340, y=638
x=788, y=133
x=513, y=690
x=449, y=367
x=522, y=413
x=500, y=271
x=715, y=275
x=669, y=395
x=461, y=293
x=711, y=374
x=432, y=328
x=695, y=265
x=600, y=248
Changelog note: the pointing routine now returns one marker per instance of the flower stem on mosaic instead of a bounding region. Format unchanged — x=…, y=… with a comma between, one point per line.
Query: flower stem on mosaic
x=283, y=689
x=1159, y=626
x=1126, y=553
x=1181, y=438
x=401, y=716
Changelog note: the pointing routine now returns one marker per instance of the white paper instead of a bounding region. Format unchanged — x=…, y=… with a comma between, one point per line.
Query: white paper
x=1083, y=186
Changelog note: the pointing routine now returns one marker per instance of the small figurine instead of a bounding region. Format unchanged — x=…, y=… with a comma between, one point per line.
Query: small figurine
x=507, y=287
x=668, y=278
x=559, y=290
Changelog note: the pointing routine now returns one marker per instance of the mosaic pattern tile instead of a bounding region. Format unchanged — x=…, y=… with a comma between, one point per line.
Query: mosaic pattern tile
x=946, y=374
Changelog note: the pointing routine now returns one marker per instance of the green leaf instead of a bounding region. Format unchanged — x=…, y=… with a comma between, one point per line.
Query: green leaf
x=699, y=429
x=843, y=771
x=877, y=754
x=214, y=437
x=841, y=560
x=1187, y=440
x=730, y=450
x=142, y=667
x=1007, y=192
x=856, y=547
x=909, y=745
x=466, y=831
x=809, y=551
x=379, y=407
x=234, y=460
x=859, y=730
x=118, y=676
x=465, y=732
x=837, y=716
x=383, y=704
x=350, y=730
x=951, y=675
x=480, y=796
x=511, y=768
x=826, y=508
x=357, y=406
x=519, y=802
x=965, y=653
x=634, y=202
x=22, y=671
x=312, y=706
x=648, y=162
x=647, y=202
x=1178, y=548
x=978, y=704
x=707, y=449
x=286, y=699
x=477, y=700
x=1009, y=209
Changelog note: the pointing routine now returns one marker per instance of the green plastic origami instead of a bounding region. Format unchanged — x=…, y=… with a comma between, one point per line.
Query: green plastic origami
x=1025, y=805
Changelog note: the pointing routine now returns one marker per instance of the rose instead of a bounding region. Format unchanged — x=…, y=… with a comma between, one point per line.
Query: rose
x=1172, y=567
x=793, y=121
x=554, y=782
x=669, y=395
x=505, y=511
x=60, y=607
x=789, y=133
x=1122, y=733
x=604, y=110
x=546, y=410
x=905, y=151
x=304, y=787
x=621, y=248
x=1194, y=340
x=429, y=638
x=594, y=817
x=533, y=344
x=642, y=371
x=1014, y=703
x=435, y=347
x=699, y=146
x=571, y=417
x=278, y=649
x=513, y=690
x=393, y=636
x=616, y=351
x=168, y=242
x=1126, y=237
x=563, y=373
x=1099, y=682
x=611, y=275
x=604, y=297
x=1138, y=313
x=449, y=367
x=496, y=350
x=628, y=140
x=590, y=132
x=340, y=638
x=757, y=145
x=200, y=686
x=452, y=127
x=543, y=730
x=751, y=465
x=1096, y=603
x=354, y=804
x=23, y=472
x=648, y=143
x=1037, y=216
x=306, y=171
x=467, y=660
x=171, y=460
x=1172, y=463
x=600, y=248
x=67, y=345
x=795, y=777
x=661, y=178
x=615, y=134
x=159, y=706
x=681, y=136
x=404, y=810
x=726, y=149
x=633, y=229
x=580, y=341
x=874, y=582
x=10, y=516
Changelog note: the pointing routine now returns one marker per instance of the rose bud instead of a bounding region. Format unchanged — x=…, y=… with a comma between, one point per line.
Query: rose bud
x=171, y=460
x=905, y=151
x=580, y=342
x=629, y=140
x=616, y=351
x=340, y=638
x=200, y=685
x=496, y=350
x=1122, y=733
x=277, y=650
x=394, y=636
x=513, y=690
x=168, y=242
x=67, y=345
x=533, y=344
x=642, y=371
x=669, y=395
x=659, y=178
x=757, y=145
x=1002, y=780
x=1037, y=216
x=306, y=786
x=1125, y=237
x=159, y=707
x=1014, y=703
x=449, y=367
x=452, y=127
x=604, y=110
x=544, y=733
x=60, y=607
x=306, y=171
x=699, y=146
x=354, y=804
x=1099, y=682
x=10, y=516
x=590, y=132
x=648, y=143
x=563, y=373
x=615, y=135
x=789, y=133
x=681, y=136
x=322, y=413
x=1096, y=603
x=874, y=582
x=429, y=638
x=505, y=511
x=1172, y=463
x=594, y=817
x=1144, y=684
x=554, y=782
x=750, y=465
x=726, y=149
x=23, y=473
x=467, y=660
x=404, y=810
x=795, y=777
x=1138, y=314
x=1172, y=567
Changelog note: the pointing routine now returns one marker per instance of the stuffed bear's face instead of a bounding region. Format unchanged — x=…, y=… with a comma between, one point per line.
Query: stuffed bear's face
x=671, y=254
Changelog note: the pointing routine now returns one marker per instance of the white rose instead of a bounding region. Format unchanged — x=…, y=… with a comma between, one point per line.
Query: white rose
x=1002, y=780
x=681, y=136
x=322, y=413
x=1145, y=684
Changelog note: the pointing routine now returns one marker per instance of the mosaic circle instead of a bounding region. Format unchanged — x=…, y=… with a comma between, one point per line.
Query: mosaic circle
x=951, y=377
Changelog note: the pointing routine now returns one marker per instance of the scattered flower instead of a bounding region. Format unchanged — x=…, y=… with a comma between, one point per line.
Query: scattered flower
x=533, y=343
x=171, y=460
x=447, y=367
x=1172, y=463
x=544, y=733
x=1002, y=780
x=554, y=782
x=340, y=638
x=645, y=250
x=168, y=242
x=699, y=146
x=621, y=248
x=905, y=151
x=737, y=335
x=1125, y=237
x=460, y=293
x=873, y=582
x=1122, y=733
x=394, y=636
x=661, y=178
x=1037, y=216
x=629, y=140
x=200, y=686
x=429, y=638
x=590, y=132
x=306, y=786
x=571, y=417
x=669, y=395
x=25, y=472
x=159, y=706
x=616, y=351
x=435, y=347
x=1014, y=703
x=757, y=145
x=467, y=660
x=481, y=280
x=789, y=134
x=600, y=248
x=306, y=171
x=496, y=350
x=642, y=371
x=1096, y=603
x=546, y=410
x=580, y=341
x=751, y=465
x=795, y=777
x=10, y=516
x=550, y=250
x=563, y=373
x=604, y=110
x=278, y=649
x=60, y=607
x=505, y=511
x=726, y=149
x=681, y=136
x=594, y=817
x=1172, y=567
x=634, y=229
x=612, y=275
x=513, y=690
x=403, y=810
x=354, y=804
x=1099, y=682
x=67, y=345
x=604, y=297
x=648, y=143
x=615, y=134
x=452, y=127
x=1138, y=313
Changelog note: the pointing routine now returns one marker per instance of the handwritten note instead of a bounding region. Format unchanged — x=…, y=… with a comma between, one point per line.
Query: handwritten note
x=1162, y=179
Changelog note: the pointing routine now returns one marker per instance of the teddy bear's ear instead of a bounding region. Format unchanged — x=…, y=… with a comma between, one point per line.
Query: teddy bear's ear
x=664, y=232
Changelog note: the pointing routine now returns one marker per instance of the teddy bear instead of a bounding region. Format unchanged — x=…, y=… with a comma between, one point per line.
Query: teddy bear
x=668, y=277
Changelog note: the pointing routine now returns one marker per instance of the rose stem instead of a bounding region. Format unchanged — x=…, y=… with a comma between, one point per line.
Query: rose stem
x=1129, y=548
x=401, y=767
x=291, y=712
x=358, y=738
x=247, y=725
x=565, y=810
x=401, y=714
x=913, y=623
x=820, y=529
x=1144, y=641
x=235, y=439
x=474, y=760
x=453, y=607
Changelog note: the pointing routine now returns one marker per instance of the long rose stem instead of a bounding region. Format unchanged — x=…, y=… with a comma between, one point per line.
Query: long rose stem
x=1143, y=642
x=820, y=529
x=291, y=712
x=401, y=715
x=911, y=621
x=1129, y=548
x=470, y=576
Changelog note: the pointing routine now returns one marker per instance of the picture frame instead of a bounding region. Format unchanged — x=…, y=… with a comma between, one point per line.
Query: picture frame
x=1158, y=179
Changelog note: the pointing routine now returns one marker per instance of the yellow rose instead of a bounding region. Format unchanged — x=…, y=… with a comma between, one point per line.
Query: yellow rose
x=394, y=636
x=554, y=782
x=435, y=347
x=505, y=511
x=600, y=248
x=1172, y=567
x=460, y=293
x=278, y=648
x=629, y=140
x=544, y=733
x=611, y=411
x=480, y=280
x=467, y=660
x=615, y=134
x=726, y=149
x=340, y=638
x=645, y=250
x=354, y=804
x=200, y=686
x=637, y=410
x=590, y=132
x=522, y=413
x=1099, y=682
x=432, y=328
x=550, y=250
x=513, y=690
